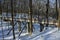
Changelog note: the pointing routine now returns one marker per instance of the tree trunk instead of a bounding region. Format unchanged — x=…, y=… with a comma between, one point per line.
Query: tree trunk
x=59, y=16
x=12, y=12
x=30, y=16
x=0, y=8
x=1, y=20
x=56, y=10
x=47, y=7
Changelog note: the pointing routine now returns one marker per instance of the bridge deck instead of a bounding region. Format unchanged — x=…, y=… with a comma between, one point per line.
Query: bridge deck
x=27, y=20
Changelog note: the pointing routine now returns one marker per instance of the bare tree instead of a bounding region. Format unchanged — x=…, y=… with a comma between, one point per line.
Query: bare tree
x=47, y=11
x=59, y=16
x=56, y=9
x=30, y=16
x=1, y=20
x=12, y=12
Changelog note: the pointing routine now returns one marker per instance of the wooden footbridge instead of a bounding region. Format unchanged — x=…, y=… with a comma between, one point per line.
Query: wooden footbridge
x=34, y=20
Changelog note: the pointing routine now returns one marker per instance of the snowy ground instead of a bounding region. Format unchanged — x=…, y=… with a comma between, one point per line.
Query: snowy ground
x=52, y=33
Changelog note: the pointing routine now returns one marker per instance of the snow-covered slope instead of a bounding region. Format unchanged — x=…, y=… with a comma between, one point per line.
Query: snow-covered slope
x=52, y=33
x=45, y=35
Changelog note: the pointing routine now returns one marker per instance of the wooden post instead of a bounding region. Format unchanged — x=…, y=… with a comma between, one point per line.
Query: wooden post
x=28, y=28
x=19, y=26
x=30, y=16
x=12, y=15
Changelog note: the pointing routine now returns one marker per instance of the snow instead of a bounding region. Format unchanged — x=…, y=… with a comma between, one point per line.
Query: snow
x=46, y=34
x=52, y=33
